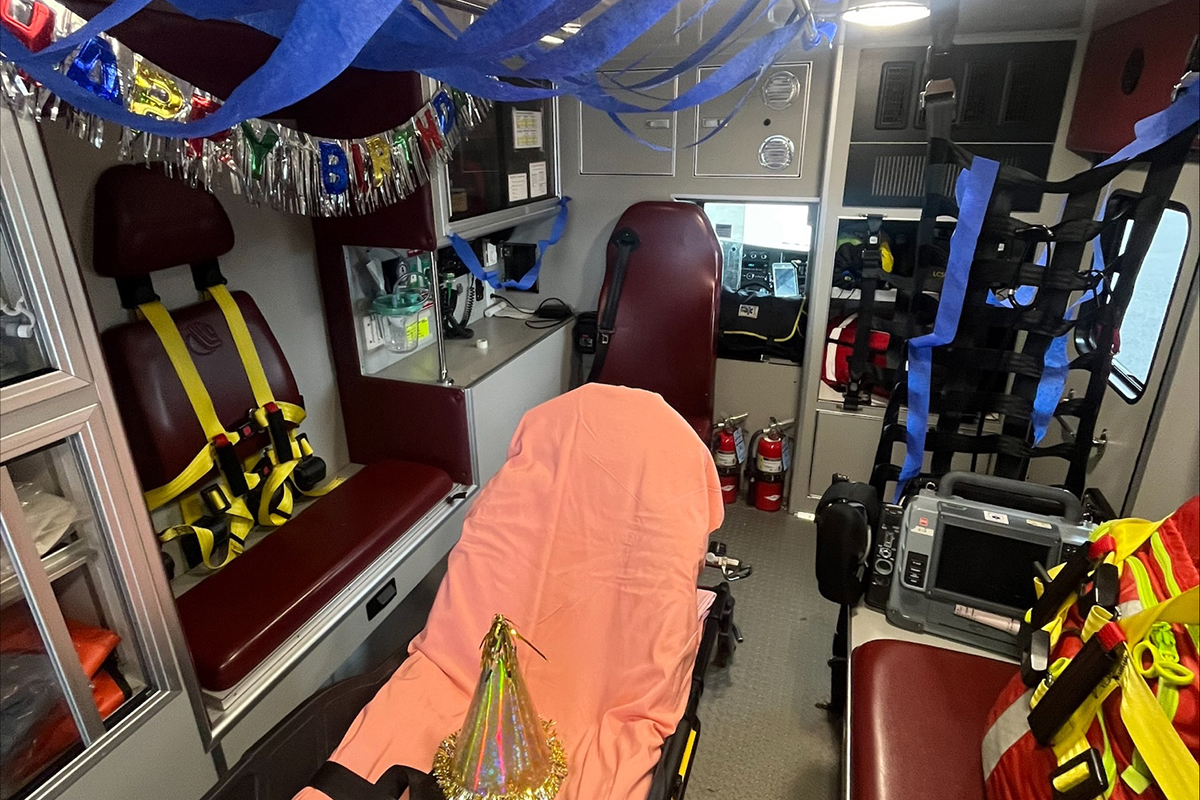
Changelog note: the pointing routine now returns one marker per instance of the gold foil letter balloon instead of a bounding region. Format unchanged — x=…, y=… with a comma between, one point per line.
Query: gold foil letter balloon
x=504, y=751
x=154, y=94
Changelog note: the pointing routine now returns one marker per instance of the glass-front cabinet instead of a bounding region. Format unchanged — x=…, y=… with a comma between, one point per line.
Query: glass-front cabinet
x=86, y=658
x=503, y=173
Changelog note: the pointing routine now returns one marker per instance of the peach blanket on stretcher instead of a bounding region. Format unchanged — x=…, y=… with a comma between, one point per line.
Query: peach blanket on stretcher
x=590, y=539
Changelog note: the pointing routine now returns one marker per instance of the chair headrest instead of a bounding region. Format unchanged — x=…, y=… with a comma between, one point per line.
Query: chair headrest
x=146, y=221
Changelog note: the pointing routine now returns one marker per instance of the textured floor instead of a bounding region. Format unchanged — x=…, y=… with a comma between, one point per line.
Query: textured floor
x=762, y=736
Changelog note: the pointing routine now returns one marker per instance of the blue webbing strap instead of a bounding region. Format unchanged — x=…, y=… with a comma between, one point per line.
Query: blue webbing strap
x=463, y=249
x=1149, y=133
x=974, y=192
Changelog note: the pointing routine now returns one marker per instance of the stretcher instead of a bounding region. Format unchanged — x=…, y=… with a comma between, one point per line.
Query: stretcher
x=591, y=538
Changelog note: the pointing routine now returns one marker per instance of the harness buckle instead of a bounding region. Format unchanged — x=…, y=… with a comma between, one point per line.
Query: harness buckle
x=1080, y=778
x=214, y=497
x=938, y=88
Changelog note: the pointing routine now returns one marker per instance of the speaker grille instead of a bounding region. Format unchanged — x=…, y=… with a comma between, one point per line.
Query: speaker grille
x=1020, y=92
x=895, y=90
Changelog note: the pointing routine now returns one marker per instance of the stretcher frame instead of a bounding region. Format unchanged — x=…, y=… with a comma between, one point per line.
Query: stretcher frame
x=281, y=763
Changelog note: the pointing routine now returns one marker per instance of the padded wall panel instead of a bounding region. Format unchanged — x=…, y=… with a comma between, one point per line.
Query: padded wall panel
x=162, y=427
x=1128, y=74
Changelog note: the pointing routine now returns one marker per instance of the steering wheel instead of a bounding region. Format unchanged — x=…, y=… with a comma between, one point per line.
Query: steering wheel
x=766, y=290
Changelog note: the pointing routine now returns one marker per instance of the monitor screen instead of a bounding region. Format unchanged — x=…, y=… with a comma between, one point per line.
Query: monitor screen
x=982, y=565
x=786, y=284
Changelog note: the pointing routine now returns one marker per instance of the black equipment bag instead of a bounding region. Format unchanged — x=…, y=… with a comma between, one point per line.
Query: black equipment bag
x=847, y=514
x=752, y=326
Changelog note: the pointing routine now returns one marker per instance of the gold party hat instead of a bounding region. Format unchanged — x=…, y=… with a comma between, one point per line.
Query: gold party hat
x=504, y=751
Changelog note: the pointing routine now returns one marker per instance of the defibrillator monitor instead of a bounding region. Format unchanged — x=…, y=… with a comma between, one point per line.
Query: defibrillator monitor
x=966, y=557
x=988, y=567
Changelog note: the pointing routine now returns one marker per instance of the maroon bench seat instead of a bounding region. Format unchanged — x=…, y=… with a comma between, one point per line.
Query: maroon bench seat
x=235, y=619
x=917, y=717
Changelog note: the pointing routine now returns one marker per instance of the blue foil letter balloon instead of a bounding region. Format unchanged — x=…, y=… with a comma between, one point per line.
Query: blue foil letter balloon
x=446, y=112
x=335, y=168
x=95, y=69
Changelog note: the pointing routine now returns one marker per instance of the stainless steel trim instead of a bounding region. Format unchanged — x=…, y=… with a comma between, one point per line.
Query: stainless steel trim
x=56, y=563
x=439, y=332
x=246, y=695
x=133, y=544
x=43, y=605
x=39, y=252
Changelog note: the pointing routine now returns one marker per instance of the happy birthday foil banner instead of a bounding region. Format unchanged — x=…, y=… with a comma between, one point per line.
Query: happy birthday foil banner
x=503, y=751
x=265, y=163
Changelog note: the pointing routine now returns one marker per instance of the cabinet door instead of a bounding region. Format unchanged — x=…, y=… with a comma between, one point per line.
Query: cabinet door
x=39, y=343
x=606, y=150
x=766, y=137
x=72, y=662
x=87, y=655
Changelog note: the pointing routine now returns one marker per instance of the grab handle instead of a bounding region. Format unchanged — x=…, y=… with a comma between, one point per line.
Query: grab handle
x=1034, y=498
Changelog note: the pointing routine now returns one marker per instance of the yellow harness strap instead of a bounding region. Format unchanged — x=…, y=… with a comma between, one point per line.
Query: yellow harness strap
x=160, y=320
x=263, y=396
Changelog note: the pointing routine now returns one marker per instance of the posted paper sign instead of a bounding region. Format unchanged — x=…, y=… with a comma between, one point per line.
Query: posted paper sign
x=537, y=179
x=518, y=187
x=527, y=130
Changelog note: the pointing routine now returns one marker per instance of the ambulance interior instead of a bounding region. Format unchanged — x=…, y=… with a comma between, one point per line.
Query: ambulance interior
x=796, y=398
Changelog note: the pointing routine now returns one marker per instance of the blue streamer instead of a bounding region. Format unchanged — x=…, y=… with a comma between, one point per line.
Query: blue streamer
x=974, y=191
x=465, y=254
x=393, y=35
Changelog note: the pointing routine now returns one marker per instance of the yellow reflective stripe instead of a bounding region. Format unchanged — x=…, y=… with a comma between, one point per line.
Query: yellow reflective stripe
x=1167, y=757
x=687, y=754
x=1107, y=759
x=1141, y=579
x=244, y=343
x=185, y=369
x=1164, y=562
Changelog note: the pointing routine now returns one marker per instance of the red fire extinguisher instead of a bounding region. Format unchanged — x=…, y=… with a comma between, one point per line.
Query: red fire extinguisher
x=729, y=453
x=771, y=456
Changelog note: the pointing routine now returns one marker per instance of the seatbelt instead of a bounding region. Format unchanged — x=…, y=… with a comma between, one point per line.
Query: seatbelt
x=289, y=452
x=227, y=499
x=626, y=241
x=860, y=382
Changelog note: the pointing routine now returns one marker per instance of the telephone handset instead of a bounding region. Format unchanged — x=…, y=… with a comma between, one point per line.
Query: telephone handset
x=455, y=327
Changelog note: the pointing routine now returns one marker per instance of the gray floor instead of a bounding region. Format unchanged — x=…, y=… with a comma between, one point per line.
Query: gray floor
x=762, y=735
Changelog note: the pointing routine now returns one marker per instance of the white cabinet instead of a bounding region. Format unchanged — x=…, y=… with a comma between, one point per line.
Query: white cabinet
x=604, y=149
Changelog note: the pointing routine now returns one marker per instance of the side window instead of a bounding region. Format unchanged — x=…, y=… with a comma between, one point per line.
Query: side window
x=1142, y=328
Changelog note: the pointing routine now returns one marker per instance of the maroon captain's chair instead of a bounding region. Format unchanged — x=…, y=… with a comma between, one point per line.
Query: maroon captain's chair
x=664, y=284
x=235, y=618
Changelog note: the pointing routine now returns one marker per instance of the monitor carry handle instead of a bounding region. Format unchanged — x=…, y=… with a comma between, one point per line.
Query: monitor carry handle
x=1033, y=498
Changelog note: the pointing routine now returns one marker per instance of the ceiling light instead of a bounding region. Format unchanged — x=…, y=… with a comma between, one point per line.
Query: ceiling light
x=885, y=13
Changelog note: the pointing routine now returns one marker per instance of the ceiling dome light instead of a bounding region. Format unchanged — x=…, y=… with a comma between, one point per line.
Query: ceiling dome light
x=885, y=13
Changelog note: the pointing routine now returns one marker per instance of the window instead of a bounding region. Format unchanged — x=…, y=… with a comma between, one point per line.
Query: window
x=1142, y=328
x=765, y=246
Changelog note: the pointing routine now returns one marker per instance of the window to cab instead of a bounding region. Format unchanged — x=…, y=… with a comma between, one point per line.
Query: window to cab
x=765, y=246
x=1142, y=328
